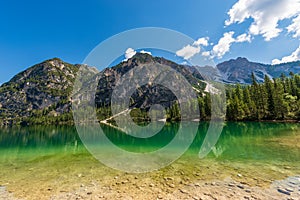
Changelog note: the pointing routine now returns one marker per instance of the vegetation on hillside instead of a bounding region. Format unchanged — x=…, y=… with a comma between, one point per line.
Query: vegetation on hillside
x=276, y=99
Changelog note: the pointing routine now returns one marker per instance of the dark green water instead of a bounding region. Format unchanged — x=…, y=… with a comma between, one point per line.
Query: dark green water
x=251, y=141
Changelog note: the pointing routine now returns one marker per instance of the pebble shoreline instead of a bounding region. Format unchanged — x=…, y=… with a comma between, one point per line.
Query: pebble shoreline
x=167, y=188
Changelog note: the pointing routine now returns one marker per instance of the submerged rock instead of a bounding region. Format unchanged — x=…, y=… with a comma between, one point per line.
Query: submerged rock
x=283, y=191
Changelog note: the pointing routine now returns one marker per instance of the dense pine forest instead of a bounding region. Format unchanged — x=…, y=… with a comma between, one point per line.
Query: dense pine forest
x=275, y=99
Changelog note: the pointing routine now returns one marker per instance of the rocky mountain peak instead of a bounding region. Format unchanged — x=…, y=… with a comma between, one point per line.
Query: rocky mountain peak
x=242, y=59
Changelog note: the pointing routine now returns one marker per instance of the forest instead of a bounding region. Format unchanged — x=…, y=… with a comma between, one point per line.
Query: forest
x=274, y=99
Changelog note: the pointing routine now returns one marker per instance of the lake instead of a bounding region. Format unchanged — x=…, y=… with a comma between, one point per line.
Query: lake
x=49, y=161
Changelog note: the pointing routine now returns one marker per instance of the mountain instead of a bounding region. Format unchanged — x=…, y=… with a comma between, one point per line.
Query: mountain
x=148, y=94
x=41, y=90
x=239, y=70
x=42, y=94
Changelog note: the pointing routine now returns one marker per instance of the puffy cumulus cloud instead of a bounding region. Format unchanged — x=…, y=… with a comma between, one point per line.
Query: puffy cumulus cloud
x=266, y=14
x=219, y=50
x=206, y=53
x=129, y=53
x=243, y=38
x=147, y=52
x=188, y=51
x=295, y=56
x=223, y=45
x=201, y=42
x=295, y=27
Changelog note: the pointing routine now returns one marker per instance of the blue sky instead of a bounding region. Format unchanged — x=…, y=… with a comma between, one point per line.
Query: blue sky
x=32, y=31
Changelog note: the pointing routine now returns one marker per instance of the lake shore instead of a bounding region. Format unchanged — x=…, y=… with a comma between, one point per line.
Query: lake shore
x=130, y=187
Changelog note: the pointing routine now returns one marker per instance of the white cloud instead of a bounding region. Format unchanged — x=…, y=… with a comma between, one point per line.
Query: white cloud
x=201, y=42
x=129, y=53
x=223, y=45
x=147, y=52
x=295, y=27
x=266, y=14
x=206, y=53
x=243, y=38
x=188, y=51
x=295, y=56
x=219, y=50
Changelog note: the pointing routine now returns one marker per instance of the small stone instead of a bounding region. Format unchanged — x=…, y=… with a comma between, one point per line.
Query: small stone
x=159, y=196
x=197, y=184
x=183, y=191
x=248, y=191
x=231, y=185
x=79, y=175
x=196, y=198
x=240, y=186
x=81, y=185
x=287, y=167
x=116, y=177
x=168, y=178
x=151, y=185
x=171, y=185
x=89, y=193
x=239, y=175
x=213, y=183
x=283, y=191
x=289, y=189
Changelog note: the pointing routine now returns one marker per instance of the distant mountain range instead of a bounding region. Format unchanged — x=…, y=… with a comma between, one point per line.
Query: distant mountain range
x=240, y=69
x=43, y=91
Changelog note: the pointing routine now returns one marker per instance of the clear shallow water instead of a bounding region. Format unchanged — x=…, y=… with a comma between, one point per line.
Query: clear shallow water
x=250, y=141
x=53, y=156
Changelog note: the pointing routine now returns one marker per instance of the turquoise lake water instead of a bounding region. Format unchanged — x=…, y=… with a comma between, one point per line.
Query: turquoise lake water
x=39, y=155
